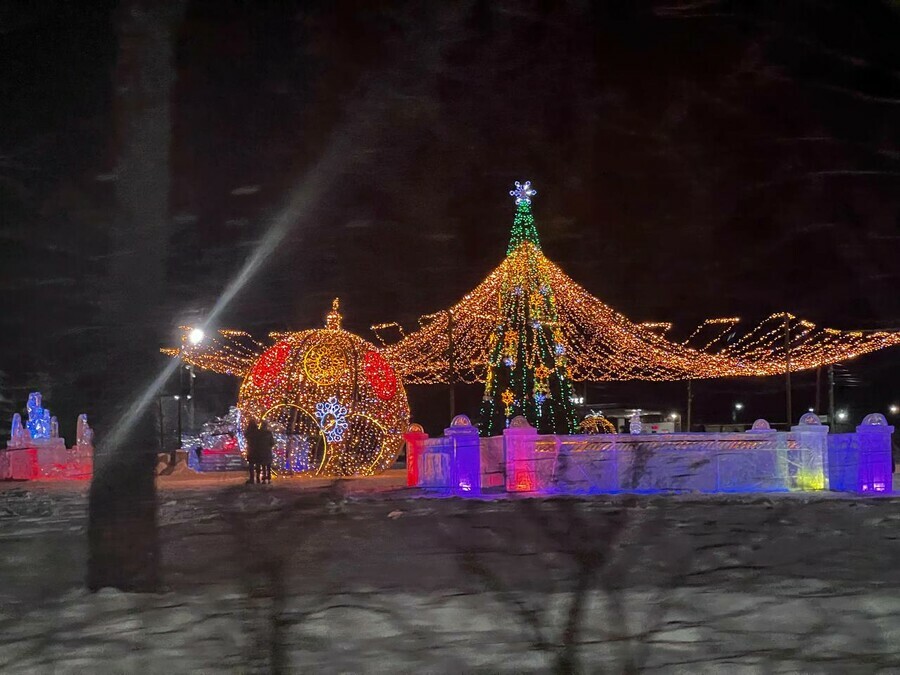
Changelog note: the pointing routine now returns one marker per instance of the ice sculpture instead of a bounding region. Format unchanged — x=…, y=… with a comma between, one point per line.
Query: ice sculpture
x=634, y=422
x=761, y=425
x=38, y=423
x=18, y=435
x=84, y=435
x=40, y=430
x=874, y=420
x=810, y=419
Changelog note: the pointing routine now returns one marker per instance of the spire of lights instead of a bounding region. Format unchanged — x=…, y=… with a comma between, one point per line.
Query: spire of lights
x=523, y=192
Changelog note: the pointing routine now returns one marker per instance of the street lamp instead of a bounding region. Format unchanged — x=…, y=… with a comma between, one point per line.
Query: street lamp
x=841, y=415
x=195, y=337
x=738, y=406
x=894, y=409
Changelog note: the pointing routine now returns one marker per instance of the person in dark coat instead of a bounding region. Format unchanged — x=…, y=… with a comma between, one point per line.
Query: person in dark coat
x=251, y=436
x=266, y=447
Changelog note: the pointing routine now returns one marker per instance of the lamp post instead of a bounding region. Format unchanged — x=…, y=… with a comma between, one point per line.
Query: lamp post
x=451, y=366
x=787, y=366
x=675, y=418
x=735, y=409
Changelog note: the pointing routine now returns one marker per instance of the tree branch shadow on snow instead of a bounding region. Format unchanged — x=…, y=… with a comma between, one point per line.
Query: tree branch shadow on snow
x=588, y=554
x=256, y=522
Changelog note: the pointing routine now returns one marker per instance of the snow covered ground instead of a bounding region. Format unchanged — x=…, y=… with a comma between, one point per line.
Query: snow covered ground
x=299, y=576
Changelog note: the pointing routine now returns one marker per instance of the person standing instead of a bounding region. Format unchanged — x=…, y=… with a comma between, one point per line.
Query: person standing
x=252, y=437
x=266, y=446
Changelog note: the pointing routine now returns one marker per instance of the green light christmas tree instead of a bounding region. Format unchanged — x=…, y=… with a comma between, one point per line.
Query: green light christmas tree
x=526, y=371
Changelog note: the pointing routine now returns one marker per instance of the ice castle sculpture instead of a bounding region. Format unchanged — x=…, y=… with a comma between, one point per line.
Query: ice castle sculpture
x=36, y=451
x=41, y=429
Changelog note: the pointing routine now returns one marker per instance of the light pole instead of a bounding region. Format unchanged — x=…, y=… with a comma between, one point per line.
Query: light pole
x=195, y=337
x=674, y=417
x=787, y=366
x=735, y=409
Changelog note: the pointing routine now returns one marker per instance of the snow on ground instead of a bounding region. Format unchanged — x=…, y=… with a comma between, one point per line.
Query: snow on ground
x=299, y=576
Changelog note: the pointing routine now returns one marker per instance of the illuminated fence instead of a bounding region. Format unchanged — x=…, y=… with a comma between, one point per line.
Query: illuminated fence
x=760, y=460
x=763, y=462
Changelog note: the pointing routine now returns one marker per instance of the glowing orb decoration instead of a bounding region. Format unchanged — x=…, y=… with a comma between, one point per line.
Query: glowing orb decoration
x=336, y=406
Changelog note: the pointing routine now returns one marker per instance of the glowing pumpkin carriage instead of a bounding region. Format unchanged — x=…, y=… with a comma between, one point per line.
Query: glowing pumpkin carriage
x=336, y=406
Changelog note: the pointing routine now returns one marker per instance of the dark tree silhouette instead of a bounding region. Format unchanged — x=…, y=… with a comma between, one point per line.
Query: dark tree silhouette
x=124, y=550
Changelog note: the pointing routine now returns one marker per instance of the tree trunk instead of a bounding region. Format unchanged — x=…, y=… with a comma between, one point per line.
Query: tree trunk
x=123, y=543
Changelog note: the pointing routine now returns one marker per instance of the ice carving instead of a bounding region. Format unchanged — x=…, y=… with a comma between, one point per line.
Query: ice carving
x=519, y=422
x=874, y=420
x=38, y=423
x=84, y=435
x=810, y=419
x=18, y=435
x=634, y=423
x=761, y=425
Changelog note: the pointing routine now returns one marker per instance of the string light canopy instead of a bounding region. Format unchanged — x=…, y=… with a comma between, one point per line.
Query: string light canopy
x=461, y=344
x=335, y=404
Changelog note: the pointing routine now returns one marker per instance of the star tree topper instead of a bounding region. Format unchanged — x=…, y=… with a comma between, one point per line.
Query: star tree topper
x=523, y=192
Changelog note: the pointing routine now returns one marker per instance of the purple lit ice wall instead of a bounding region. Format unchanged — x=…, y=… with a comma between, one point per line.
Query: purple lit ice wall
x=760, y=460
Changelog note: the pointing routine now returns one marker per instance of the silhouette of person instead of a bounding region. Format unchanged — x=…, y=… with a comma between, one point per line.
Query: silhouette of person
x=252, y=437
x=266, y=445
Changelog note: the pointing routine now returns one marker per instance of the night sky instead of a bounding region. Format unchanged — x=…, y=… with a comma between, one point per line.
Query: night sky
x=693, y=159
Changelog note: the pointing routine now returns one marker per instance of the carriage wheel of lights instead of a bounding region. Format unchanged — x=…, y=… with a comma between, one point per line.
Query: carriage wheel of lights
x=602, y=345
x=336, y=406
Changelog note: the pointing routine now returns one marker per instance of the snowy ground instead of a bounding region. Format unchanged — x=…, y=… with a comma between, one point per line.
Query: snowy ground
x=297, y=576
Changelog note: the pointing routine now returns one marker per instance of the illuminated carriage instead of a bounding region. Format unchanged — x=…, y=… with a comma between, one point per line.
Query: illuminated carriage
x=335, y=405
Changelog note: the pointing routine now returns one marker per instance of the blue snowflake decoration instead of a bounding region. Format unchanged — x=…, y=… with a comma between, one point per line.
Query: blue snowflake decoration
x=332, y=419
x=559, y=349
x=523, y=192
x=509, y=361
x=536, y=325
x=545, y=290
x=539, y=398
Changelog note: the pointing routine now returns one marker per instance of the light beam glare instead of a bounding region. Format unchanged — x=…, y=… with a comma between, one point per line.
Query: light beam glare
x=366, y=123
x=126, y=423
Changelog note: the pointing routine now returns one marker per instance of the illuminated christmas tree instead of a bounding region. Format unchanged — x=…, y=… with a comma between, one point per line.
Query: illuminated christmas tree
x=527, y=372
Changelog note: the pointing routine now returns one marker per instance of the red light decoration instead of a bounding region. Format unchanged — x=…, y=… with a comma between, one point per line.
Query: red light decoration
x=270, y=364
x=380, y=376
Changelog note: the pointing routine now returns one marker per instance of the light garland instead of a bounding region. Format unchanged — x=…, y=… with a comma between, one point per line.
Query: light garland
x=599, y=344
x=596, y=423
